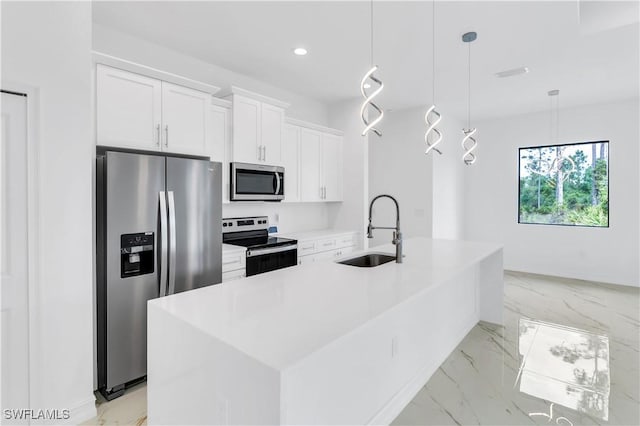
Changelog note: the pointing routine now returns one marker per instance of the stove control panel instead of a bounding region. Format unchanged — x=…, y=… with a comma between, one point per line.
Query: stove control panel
x=237, y=224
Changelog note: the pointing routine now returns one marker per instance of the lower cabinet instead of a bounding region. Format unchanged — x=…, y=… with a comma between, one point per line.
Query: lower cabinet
x=234, y=264
x=326, y=248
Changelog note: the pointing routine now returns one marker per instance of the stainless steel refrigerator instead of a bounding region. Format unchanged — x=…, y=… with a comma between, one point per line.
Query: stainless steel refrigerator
x=158, y=220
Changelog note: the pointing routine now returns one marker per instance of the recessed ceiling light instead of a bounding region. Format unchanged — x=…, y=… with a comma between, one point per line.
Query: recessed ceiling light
x=300, y=51
x=512, y=72
x=367, y=86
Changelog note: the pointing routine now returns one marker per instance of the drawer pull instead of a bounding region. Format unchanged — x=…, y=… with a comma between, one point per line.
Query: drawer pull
x=232, y=262
x=329, y=244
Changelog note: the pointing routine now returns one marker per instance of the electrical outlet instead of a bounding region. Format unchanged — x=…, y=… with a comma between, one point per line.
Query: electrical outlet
x=276, y=218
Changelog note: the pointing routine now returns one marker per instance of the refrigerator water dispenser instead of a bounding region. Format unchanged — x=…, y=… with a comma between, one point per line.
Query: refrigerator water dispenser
x=136, y=254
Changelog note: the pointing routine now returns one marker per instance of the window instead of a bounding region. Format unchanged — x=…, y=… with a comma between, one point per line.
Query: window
x=565, y=184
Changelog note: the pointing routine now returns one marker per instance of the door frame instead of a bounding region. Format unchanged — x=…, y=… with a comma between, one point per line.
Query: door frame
x=33, y=216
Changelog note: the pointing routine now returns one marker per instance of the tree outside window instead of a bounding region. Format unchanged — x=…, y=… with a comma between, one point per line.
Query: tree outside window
x=565, y=184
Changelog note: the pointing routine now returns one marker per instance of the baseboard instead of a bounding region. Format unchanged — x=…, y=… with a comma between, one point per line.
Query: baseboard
x=82, y=412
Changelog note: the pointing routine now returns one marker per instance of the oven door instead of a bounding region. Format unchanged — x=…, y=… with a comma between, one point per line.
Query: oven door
x=256, y=182
x=271, y=258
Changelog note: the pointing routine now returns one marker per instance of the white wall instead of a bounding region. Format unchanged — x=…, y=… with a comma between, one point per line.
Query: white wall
x=115, y=43
x=428, y=187
x=47, y=46
x=351, y=213
x=288, y=217
x=448, y=206
x=599, y=254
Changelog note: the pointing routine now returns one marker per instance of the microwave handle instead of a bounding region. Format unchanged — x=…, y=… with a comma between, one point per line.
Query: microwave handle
x=277, y=183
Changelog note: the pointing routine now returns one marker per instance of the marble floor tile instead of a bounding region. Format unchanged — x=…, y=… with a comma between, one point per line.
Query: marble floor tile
x=479, y=381
x=129, y=409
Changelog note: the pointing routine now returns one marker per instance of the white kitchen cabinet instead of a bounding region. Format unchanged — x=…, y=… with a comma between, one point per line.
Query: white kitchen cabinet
x=320, y=162
x=258, y=125
x=185, y=120
x=331, y=167
x=272, y=123
x=234, y=262
x=221, y=132
x=135, y=111
x=327, y=247
x=246, y=130
x=128, y=109
x=291, y=162
x=310, y=151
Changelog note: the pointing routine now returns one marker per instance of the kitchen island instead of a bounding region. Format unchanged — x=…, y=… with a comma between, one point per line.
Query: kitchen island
x=320, y=343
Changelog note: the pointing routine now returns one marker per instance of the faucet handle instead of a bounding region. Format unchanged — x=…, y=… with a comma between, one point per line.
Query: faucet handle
x=395, y=240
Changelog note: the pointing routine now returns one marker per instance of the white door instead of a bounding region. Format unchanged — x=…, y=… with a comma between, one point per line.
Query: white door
x=128, y=109
x=289, y=155
x=13, y=253
x=272, y=121
x=310, y=189
x=246, y=130
x=332, y=167
x=185, y=120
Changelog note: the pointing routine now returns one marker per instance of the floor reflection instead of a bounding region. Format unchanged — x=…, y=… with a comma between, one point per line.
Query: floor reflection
x=565, y=366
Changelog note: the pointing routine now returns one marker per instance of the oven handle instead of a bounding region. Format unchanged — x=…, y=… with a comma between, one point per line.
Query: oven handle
x=260, y=252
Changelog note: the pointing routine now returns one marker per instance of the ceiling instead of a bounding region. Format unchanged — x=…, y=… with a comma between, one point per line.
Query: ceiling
x=588, y=50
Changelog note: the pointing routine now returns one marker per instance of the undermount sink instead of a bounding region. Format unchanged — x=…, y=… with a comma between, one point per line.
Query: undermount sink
x=368, y=260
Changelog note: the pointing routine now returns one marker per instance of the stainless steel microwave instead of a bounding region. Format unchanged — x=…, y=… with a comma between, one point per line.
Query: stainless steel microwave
x=256, y=182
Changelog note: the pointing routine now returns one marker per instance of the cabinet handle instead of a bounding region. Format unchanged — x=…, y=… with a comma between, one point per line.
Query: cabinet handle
x=308, y=247
x=329, y=244
x=158, y=134
x=259, y=152
x=264, y=153
x=166, y=135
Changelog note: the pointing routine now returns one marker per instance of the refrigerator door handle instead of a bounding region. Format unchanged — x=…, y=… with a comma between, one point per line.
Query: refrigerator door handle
x=172, y=244
x=163, y=243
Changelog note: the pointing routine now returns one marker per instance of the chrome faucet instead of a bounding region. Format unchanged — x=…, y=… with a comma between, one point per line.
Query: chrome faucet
x=397, y=235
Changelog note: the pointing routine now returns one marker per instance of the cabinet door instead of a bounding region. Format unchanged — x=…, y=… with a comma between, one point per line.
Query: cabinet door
x=221, y=143
x=272, y=122
x=185, y=120
x=246, y=130
x=332, y=167
x=310, y=189
x=289, y=155
x=128, y=109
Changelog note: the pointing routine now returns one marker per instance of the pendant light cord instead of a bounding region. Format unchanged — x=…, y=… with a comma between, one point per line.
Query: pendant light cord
x=433, y=51
x=469, y=105
x=371, y=31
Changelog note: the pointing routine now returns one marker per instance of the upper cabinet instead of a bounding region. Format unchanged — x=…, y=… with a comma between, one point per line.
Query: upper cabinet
x=135, y=111
x=128, y=108
x=258, y=126
x=290, y=156
x=318, y=171
x=185, y=119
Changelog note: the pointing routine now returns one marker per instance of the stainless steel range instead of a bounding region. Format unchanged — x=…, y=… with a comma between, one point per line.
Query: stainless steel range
x=264, y=253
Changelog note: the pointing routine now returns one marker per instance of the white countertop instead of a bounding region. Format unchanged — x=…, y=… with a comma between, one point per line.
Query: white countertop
x=282, y=316
x=314, y=234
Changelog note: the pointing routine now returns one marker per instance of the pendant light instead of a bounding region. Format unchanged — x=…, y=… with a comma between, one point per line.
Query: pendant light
x=469, y=143
x=368, y=106
x=433, y=136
